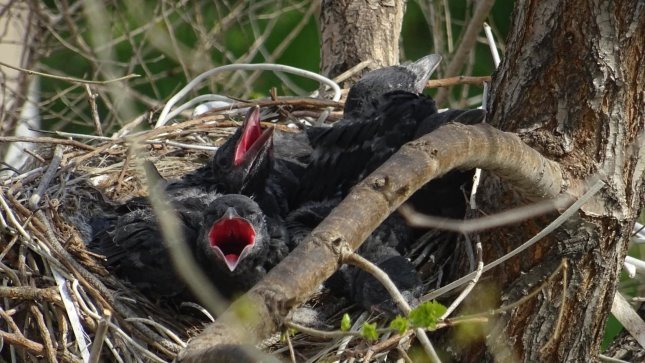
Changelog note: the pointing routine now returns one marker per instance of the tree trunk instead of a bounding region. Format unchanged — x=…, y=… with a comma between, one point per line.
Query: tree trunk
x=572, y=86
x=17, y=44
x=353, y=31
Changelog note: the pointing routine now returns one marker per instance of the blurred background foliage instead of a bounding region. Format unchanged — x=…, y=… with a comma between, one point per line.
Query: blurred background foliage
x=170, y=42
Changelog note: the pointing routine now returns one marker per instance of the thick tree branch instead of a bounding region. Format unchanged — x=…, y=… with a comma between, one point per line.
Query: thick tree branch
x=369, y=203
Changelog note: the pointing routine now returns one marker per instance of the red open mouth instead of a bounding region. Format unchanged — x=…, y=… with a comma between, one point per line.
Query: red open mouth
x=253, y=139
x=232, y=238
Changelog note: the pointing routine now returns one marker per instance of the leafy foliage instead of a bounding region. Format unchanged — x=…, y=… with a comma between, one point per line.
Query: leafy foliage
x=427, y=314
x=368, y=331
x=345, y=322
x=400, y=324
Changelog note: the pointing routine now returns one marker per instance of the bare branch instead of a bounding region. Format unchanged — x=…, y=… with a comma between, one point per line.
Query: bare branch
x=315, y=259
x=452, y=81
x=68, y=79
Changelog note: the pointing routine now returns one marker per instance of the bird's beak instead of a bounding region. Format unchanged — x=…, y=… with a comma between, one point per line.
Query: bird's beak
x=254, y=142
x=231, y=238
x=423, y=68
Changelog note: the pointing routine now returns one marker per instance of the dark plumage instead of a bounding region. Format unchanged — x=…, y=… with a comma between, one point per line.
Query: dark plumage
x=247, y=163
x=411, y=77
x=241, y=164
x=227, y=234
x=374, y=127
x=346, y=153
x=381, y=113
x=384, y=247
x=234, y=238
x=384, y=110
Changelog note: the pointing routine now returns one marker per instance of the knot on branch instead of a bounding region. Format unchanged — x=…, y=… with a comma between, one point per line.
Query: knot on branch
x=277, y=302
x=379, y=183
x=332, y=240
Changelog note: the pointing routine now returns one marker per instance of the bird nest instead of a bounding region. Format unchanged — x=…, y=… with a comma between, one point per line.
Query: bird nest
x=59, y=303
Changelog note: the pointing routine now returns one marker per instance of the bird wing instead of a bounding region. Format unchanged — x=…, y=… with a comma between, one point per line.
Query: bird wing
x=135, y=251
x=346, y=153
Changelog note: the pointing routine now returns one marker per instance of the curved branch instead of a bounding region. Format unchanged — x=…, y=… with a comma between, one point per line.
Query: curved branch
x=369, y=203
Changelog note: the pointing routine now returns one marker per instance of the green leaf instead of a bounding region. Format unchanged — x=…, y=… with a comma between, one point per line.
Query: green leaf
x=345, y=322
x=400, y=324
x=427, y=314
x=287, y=333
x=368, y=331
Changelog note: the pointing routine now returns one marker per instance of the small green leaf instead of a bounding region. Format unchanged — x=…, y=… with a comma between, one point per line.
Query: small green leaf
x=427, y=314
x=400, y=324
x=287, y=333
x=368, y=331
x=345, y=322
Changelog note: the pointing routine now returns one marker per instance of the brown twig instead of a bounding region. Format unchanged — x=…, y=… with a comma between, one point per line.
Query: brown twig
x=35, y=156
x=563, y=304
x=282, y=101
x=46, y=140
x=453, y=81
x=20, y=340
x=119, y=180
x=50, y=352
x=68, y=79
x=63, y=329
x=34, y=199
x=95, y=112
x=31, y=293
x=99, y=336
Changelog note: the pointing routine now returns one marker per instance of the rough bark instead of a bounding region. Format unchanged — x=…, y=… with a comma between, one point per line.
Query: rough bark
x=625, y=347
x=572, y=86
x=353, y=31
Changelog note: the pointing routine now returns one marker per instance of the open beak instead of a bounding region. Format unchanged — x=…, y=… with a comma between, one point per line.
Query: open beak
x=231, y=237
x=253, y=142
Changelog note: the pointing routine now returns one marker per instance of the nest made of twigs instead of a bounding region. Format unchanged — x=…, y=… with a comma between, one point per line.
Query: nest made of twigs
x=56, y=294
x=59, y=303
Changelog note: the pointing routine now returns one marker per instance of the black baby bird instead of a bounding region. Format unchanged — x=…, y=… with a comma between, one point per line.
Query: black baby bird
x=241, y=164
x=247, y=163
x=227, y=235
x=238, y=245
x=384, y=110
x=384, y=247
